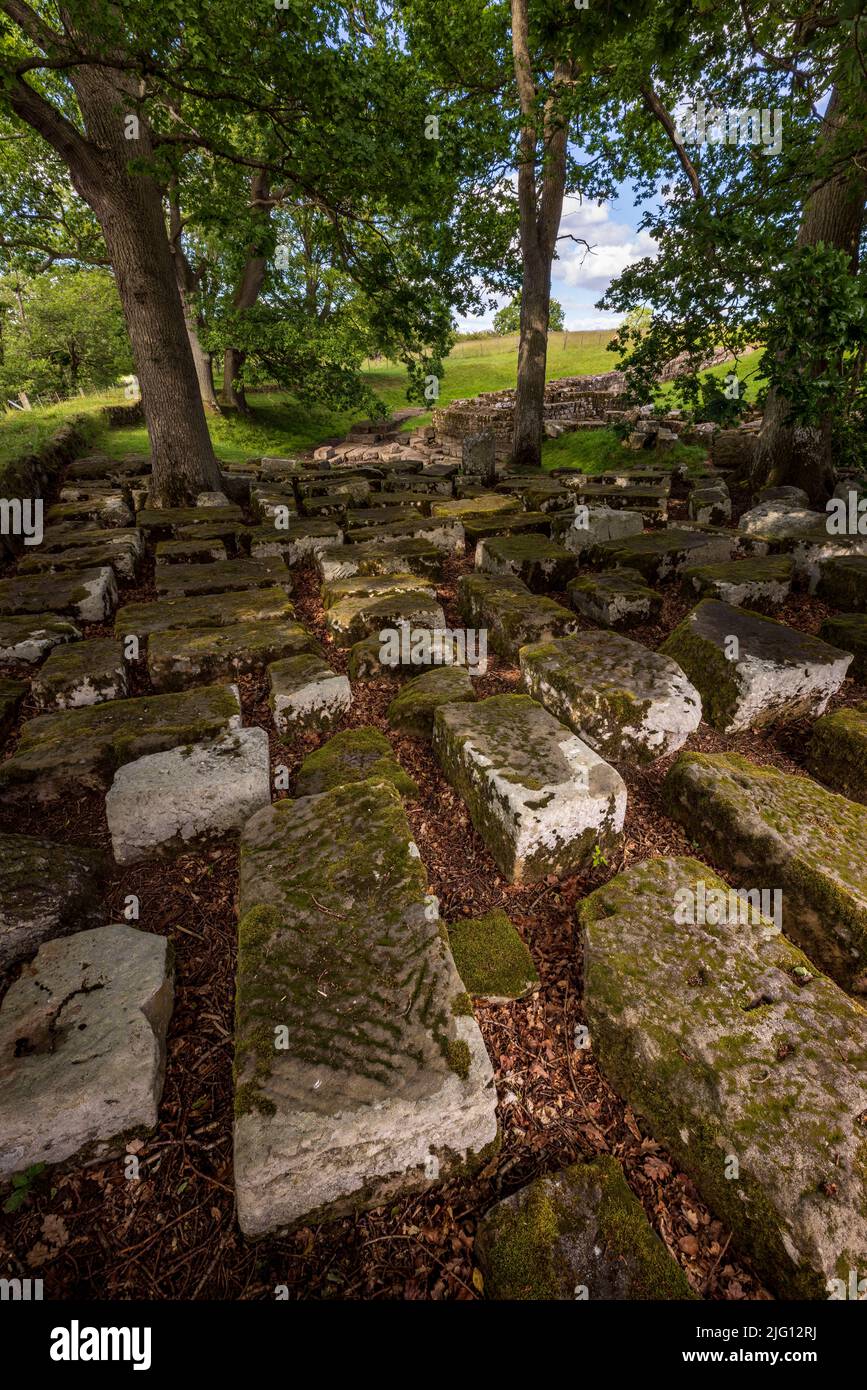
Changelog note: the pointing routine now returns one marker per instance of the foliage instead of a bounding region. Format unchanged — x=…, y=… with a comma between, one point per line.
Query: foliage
x=508, y=319
x=61, y=331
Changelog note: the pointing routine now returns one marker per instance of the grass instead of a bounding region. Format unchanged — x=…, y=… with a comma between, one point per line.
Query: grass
x=598, y=451
x=280, y=424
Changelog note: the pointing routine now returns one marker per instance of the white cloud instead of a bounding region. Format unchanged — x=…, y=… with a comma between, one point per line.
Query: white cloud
x=615, y=246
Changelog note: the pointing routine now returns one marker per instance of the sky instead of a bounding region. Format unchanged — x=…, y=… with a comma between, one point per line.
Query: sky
x=579, y=280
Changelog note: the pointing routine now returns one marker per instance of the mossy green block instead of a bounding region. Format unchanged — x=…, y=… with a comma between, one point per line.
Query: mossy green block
x=848, y=631
x=354, y=755
x=492, y=960
x=413, y=710
x=837, y=752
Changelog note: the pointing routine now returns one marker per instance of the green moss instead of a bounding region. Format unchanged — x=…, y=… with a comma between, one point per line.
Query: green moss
x=837, y=752
x=708, y=669
x=412, y=710
x=491, y=958
x=354, y=755
x=458, y=1057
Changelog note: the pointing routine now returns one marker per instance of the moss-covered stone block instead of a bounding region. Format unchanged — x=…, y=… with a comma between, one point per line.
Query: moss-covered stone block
x=837, y=752
x=414, y=556
x=411, y=605
x=413, y=710
x=615, y=598
x=628, y=703
x=162, y=522
x=83, y=673
x=189, y=552
x=307, y=694
x=540, y=798
x=512, y=615
x=84, y=747
x=353, y=755
x=765, y=581
x=222, y=576
x=742, y=1059
x=90, y=595
x=492, y=959
x=848, y=631
x=752, y=671
x=577, y=1233
x=30, y=636
x=461, y=508
x=659, y=555
x=356, y=1077
x=187, y=656
x=536, y=560
x=786, y=832
x=843, y=582
x=12, y=693
x=203, y=610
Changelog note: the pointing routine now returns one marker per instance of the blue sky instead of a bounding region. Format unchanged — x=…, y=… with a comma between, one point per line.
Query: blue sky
x=578, y=281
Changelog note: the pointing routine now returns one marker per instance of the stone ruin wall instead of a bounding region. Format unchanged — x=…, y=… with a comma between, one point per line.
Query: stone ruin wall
x=573, y=401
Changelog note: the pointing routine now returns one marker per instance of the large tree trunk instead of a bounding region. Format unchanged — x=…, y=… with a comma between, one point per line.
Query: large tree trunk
x=247, y=292
x=187, y=285
x=129, y=210
x=833, y=214
x=539, y=214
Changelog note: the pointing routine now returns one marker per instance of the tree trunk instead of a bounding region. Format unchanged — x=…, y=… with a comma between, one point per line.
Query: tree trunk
x=233, y=392
x=539, y=217
x=129, y=210
x=833, y=214
x=187, y=285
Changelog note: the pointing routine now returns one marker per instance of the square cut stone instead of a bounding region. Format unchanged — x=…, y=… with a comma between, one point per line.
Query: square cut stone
x=581, y=530
x=203, y=610
x=167, y=521
x=444, y=532
x=297, y=541
x=360, y=1072
x=775, y=829
x=728, y=1044
x=459, y=508
x=540, y=798
x=189, y=552
x=362, y=615
x=105, y=509
x=181, y=657
x=511, y=614
x=46, y=890
x=752, y=671
x=615, y=598
x=307, y=694
x=123, y=555
x=82, y=1047
x=164, y=802
x=837, y=752
x=766, y=581
x=12, y=695
x=412, y=556
x=372, y=585
x=658, y=555
x=89, y=595
x=539, y=562
x=843, y=582
x=848, y=631
x=84, y=673
x=222, y=576
x=628, y=703
x=412, y=711
x=84, y=747
x=28, y=638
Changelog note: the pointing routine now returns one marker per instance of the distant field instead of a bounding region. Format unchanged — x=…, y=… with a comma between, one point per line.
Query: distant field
x=280, y=424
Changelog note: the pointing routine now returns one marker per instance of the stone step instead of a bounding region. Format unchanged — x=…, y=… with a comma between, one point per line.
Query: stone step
x=296, y=542
x=780, y=518
x=124, y=555
x=843, y=582
x=85, y=747
x=837, y=752
x=163, y=522
x=412, y=556
x=658, y=555
x=784, y=832
x=536, y=560
x=541, y=799
x=412, y=710
x=351, y=619
x=89, y=595
x=742, y=1060
x=511, y=614
x=478, y=528
x=630, y=704
x=353, y=755
x=710, y=504
x=83, y=673
x=307, y=694
x=29, y=637
x=372, y=585
x=221, y=576
x=848, y=631
x=166, y=802
x=82, y=1047
x=589, y=526
x=362, y=518
x=108, y=510
x=650, y=502
x=485, y=504
x=615, y=598
x=46, y=890
x=443, y=532
x=579, y=1233
x=203, y=610
x=751, y=671
x=189, y=552
x=360, y=1071
x=765, y=581
x=180, y=657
